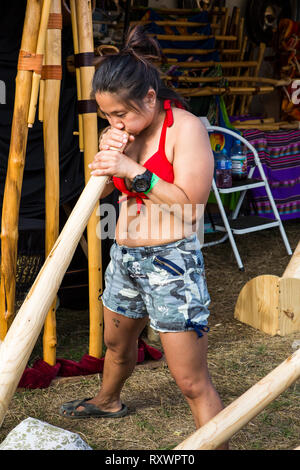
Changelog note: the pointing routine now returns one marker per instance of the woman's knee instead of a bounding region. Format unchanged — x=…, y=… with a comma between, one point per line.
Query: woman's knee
x=119, y=347
x=193, y=387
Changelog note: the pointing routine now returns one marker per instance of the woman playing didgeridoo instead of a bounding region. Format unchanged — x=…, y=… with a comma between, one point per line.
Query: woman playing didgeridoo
x=156, y=269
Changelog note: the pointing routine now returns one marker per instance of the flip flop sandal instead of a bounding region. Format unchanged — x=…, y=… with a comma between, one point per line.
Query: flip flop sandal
x=69, y=410
x=70, y=405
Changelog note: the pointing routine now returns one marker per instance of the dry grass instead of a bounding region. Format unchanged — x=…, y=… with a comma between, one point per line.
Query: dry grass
x=238, y=357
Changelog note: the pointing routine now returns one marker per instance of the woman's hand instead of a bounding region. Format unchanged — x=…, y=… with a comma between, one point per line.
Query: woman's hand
x=114, y=139
x=115, y=163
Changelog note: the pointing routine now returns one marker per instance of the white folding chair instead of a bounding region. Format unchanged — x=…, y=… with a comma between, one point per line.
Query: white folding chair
x=239, y=225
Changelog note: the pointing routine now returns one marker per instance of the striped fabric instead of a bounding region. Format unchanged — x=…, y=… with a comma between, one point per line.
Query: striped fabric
x=279, y=153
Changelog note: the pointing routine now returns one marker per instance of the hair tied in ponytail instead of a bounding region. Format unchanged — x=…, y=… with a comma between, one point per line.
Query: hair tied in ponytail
x=129, y=51
x=141, y=45
x=131, y=72
x=106, y=49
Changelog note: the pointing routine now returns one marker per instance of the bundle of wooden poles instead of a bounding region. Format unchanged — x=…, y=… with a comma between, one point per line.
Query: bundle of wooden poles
x=240, y=59
x=39, y=74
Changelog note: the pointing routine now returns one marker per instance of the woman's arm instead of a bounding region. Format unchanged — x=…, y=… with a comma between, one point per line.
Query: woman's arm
x=193, y=166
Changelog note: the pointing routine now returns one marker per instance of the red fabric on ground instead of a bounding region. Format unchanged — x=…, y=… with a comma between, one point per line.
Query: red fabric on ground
x=86, y=366
x=41, y=374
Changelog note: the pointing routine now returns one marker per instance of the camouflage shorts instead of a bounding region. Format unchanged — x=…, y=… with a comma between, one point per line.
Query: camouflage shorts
x=166, y=283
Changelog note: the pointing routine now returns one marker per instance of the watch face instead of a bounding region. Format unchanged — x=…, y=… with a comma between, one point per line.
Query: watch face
x=142, y=182
x=141, y=185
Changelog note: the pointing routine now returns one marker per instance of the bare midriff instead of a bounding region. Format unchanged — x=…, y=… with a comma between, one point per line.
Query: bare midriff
x=156, y=224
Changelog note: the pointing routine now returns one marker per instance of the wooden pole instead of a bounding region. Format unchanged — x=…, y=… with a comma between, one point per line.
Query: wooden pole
x=83, y=242
x=261, y=53
x=40, y=50
x=230, y=420
x=270, y=81
x=224, y=29
x=269, y=127
x=211, y=63
x=242, y=46
x=194, y=37
x=51, y=156
x=90, y=132
x=207, y=91
x=25, y=329
x=41, y=100
x=187, y=51
x=256, y=121
x=77, y=70
x=184, y=24
x=14, y=176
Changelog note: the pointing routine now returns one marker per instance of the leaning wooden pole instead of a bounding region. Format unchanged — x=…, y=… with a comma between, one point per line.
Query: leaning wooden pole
x=40, y=50
x=87, y=107
x=26, y=327
x=261, y=53
x=230, y=420
x=77, y=69
x=16, y=161
x=51, y=74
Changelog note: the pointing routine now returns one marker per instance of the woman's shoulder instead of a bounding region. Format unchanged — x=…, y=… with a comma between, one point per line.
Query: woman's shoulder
x=185, y=120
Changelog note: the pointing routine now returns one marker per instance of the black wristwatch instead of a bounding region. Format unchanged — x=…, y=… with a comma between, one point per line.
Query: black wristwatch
x=141, y=183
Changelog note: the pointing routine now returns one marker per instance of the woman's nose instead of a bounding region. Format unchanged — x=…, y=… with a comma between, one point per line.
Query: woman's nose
x=115, y=122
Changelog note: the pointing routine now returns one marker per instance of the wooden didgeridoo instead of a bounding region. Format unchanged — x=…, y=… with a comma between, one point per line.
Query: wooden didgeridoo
x=51, y=150
x=26, y=327
x=40, y=50
x=236, y=415
x=77, y=70
x=15, y=168
x=90, y=136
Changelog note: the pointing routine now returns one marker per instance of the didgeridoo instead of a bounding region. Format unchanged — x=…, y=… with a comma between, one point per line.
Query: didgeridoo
x=27, y=325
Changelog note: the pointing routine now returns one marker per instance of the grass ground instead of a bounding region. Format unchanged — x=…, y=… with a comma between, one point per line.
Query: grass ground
x=238, y=357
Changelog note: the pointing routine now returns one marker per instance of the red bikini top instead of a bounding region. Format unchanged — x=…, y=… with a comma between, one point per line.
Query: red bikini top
x=158, y=163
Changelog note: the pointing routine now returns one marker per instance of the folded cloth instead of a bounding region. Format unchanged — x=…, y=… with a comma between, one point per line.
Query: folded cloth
x=33, y=434
x=41, y=374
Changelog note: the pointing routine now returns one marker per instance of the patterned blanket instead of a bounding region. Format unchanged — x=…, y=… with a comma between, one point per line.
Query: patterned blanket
x=279, y=153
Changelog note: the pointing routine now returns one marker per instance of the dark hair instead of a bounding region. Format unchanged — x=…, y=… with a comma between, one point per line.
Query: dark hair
x=131, y=72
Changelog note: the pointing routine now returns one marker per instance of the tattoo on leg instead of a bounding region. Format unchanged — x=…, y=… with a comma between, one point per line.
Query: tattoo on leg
x=116, y=322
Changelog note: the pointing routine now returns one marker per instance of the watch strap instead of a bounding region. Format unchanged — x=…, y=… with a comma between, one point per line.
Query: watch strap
x=154, y=180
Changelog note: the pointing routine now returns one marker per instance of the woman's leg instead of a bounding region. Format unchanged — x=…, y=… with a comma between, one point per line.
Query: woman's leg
x=120, y=336
x=186, y=357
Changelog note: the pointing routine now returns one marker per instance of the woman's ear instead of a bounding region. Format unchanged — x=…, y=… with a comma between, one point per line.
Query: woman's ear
x=150, y=98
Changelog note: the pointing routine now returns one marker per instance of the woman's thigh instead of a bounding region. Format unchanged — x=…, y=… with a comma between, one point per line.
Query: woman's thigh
x=121, y=332
x=186, y=355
